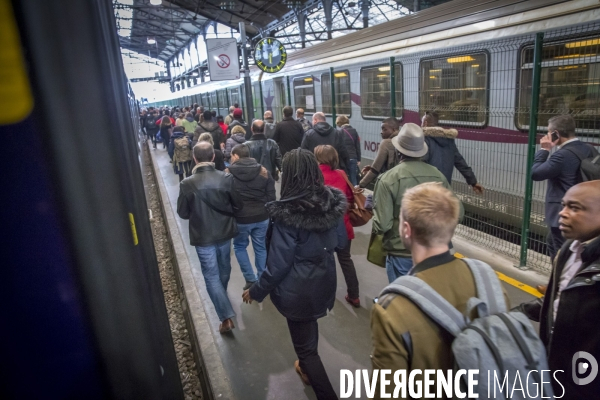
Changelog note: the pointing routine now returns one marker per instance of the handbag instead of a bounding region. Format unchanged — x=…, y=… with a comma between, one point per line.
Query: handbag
x=357, y=212
x=376, y=254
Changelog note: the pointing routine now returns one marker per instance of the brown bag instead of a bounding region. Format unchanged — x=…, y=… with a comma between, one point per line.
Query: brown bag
x=357, y=212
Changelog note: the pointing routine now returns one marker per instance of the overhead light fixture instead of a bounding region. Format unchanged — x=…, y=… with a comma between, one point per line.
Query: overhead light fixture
x=340, y=74
x=156, y=2
x=474, y=65
x=383, y=69
x=576, y=56
x=583, y=43
x=151, y=40
x=308, y=79
x=383, y=76
x=460, y=59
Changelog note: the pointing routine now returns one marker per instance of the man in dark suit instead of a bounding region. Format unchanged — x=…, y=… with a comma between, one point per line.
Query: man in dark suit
x=561, y=169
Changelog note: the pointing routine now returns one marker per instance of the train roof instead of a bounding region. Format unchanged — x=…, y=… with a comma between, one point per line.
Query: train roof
x=446, y=16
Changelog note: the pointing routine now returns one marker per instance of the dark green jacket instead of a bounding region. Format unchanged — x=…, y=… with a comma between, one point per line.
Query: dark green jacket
x=387, y=198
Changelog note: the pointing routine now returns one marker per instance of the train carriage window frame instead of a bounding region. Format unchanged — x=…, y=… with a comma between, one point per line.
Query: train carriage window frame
x=306, y=82
x=458, y=58
x=347, y=111
x=223, y=100
x=385, y=70
x=566, y=61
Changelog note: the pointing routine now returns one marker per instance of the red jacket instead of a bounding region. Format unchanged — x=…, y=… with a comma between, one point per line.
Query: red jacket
x=160, y=120
x=336, y=179
x=223, y=127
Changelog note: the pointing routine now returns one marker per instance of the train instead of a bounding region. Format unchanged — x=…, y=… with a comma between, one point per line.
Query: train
x=84, y=314
x=471, y=61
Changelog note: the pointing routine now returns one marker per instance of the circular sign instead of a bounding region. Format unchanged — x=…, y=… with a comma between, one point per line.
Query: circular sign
x=270, y=55
x=223, y=61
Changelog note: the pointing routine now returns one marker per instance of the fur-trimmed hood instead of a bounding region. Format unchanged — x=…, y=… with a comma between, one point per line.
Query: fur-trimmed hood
x=316, y=214
x=437, y=131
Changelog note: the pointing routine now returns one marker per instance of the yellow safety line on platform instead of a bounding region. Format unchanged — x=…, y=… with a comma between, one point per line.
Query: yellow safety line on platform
x=513, y=282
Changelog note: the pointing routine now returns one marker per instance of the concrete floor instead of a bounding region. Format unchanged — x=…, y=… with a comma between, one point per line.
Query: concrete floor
x=258, y=355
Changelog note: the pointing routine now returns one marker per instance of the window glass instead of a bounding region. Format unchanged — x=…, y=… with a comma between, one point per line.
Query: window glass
x=569, y=84
x=455, y=87
x=234, y=96
x=256, y=99
x=213, y=101
x=304, y=93
x=375, y=91
x=222, y=99
x=342, y=92
x=204, y=101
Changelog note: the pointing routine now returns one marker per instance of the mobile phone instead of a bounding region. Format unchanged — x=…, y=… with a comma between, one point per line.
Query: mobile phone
x=554, y=136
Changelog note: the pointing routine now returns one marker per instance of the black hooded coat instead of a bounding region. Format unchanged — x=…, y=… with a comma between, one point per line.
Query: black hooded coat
x=300, y=273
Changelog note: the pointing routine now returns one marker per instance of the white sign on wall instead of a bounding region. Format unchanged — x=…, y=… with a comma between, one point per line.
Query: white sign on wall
x=223, y=61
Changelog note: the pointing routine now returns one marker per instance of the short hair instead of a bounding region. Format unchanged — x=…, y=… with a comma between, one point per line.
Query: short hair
x=241, y=150
x=206, y=137
x=432, y=212
x=189, y=115
x=238, y=129
x=236, y=105
x=204, y=152
x=319, y=116
x=268, y=114
x=327, y=155
x=393, y=122
x=213, y=113
x=220, y=118
x=300, y=111
x=179, y=129
x=432, y=118
x=342, y=120
x=167, y=112
x=258, y=126
x=207, y=115
x=231, y=108
x=563, y=124
x=288, y=111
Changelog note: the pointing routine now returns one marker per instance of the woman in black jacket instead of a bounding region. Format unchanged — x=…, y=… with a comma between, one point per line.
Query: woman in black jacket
x=300, y=275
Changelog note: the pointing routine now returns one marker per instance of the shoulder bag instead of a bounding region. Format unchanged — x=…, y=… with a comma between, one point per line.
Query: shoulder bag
x=357, y=212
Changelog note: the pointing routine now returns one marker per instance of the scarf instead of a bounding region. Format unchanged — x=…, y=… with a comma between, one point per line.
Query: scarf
x=202, y=164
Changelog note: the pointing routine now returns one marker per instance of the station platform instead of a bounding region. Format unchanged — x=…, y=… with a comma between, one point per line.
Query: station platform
x=256, y=360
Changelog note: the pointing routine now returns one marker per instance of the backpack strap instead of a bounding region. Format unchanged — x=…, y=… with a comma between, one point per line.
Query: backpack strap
x=487, y=285
x=429, y=301
x=347, y=133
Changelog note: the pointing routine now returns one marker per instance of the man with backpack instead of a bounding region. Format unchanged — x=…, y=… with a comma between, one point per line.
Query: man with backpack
x=306, y=125
x=264, y=151
x=420, y=321
x=561, y=170
x=180, y=151
x=151, y=127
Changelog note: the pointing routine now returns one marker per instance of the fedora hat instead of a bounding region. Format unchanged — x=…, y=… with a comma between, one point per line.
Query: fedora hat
x=410, y=141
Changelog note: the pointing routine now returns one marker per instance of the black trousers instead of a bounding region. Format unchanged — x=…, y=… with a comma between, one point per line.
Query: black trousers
x=348, y=270
x=305, y=337
x=555, y=241
x=152, y=135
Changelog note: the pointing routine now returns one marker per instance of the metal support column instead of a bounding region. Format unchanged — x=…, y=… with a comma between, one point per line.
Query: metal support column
x=247, y=82
x=331, y=78
x=262, y=101
x=227, y=101
x=365, y=5
x=416, y=5
x=533, y=121
x=393, y=86
x=217, y=96
x=289, y=90
x=301, y=16
x=328, y=10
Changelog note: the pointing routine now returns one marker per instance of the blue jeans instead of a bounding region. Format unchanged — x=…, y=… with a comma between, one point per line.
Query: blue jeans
x=397, y=266
x=215, y=261
x=352, y=171
x=258, y=232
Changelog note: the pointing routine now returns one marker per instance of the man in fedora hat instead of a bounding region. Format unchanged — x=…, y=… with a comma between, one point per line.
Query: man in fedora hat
x=389, y=189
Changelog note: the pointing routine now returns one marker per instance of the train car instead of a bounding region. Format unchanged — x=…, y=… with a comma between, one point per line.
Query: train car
x=471, y=61
x=84, y=314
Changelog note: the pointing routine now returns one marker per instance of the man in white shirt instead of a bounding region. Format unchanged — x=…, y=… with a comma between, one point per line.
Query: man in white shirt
x=571, y=308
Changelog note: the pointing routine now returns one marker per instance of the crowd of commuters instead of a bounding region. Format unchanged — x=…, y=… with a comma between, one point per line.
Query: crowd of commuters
x=229, y=195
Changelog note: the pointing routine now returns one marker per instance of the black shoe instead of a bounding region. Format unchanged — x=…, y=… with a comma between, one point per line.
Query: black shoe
x=249, y=285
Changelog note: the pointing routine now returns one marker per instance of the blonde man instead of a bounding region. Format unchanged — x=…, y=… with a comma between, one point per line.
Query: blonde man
x=403, y=336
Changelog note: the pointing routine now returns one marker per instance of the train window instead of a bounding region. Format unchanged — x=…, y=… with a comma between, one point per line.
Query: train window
x=234, y=96
x=256, y=98
x=375, y=91
x=342, y=92
x=304, y=93
x=222, y=96
x=570, y=83
x=456, y=87
x=213, y=100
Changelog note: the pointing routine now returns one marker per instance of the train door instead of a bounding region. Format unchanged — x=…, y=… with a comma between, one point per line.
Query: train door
x=280, y=98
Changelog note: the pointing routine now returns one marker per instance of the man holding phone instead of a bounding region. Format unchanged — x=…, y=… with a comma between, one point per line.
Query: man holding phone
x=561, y=169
